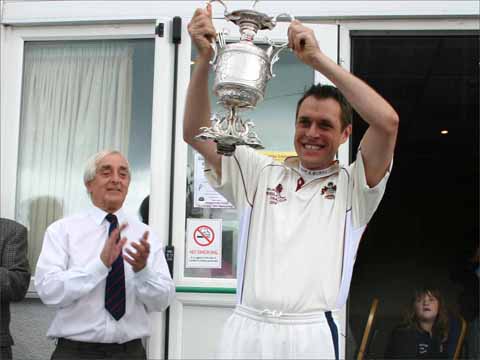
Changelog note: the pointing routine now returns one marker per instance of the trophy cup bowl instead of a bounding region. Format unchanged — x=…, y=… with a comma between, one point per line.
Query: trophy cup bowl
x=241, y=74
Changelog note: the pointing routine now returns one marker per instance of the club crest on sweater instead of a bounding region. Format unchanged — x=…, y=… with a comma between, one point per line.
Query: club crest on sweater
x=274, y=195
x=329, y=191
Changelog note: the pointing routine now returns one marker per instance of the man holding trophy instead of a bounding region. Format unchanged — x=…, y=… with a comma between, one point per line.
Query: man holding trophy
x=302, y=220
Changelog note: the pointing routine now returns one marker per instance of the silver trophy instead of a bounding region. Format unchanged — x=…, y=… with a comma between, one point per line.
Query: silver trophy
x=242, y=70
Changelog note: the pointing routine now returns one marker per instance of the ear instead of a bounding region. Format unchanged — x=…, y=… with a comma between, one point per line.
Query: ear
x=346, y=133
x=89, y=187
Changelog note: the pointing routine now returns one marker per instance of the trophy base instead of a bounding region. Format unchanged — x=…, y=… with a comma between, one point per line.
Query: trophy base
x=226, y=144
x=230, y=131
x=225, y=149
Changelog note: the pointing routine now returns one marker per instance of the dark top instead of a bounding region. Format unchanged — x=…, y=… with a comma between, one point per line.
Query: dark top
x=14, y=272
x=411, y=343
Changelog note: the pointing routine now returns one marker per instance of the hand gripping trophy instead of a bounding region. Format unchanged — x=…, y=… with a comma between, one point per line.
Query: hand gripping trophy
x=242, y=70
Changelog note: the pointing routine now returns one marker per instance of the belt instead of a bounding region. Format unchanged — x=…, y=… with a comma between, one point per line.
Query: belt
x=275, y=316
x=83, y=345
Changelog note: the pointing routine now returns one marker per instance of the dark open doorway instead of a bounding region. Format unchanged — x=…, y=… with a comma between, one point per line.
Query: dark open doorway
x=427, y=223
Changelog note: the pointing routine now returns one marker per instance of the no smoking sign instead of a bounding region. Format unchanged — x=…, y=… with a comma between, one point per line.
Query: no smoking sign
x=203, y=235
x=204, y=243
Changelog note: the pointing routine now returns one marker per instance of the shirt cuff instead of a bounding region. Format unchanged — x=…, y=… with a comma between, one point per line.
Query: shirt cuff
x=144, y=274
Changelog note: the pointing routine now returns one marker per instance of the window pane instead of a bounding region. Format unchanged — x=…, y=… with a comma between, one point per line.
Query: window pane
x=274, y=119
x=80, y=97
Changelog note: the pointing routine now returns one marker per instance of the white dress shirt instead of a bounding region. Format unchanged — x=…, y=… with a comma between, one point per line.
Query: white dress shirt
x=70, y=276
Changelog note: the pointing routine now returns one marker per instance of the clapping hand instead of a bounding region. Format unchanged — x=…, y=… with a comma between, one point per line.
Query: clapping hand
x=138, y=259
x=112, y=248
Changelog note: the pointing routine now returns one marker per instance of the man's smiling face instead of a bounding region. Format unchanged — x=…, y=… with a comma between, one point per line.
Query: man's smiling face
x=318, y=132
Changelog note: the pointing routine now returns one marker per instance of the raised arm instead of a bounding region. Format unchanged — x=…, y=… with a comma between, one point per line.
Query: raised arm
x=378, y=143
x=197, y=106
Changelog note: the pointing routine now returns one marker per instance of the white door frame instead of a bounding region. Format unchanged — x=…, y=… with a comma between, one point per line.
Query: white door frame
x=193, y=298
x=10, y=106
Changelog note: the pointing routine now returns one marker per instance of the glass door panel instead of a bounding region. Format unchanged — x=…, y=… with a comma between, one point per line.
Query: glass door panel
x=80, y=97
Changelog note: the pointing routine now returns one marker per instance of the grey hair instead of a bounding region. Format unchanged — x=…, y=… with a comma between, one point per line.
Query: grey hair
x=92, y=164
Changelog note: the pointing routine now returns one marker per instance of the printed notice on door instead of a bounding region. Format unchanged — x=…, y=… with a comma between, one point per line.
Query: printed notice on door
x=204, y=196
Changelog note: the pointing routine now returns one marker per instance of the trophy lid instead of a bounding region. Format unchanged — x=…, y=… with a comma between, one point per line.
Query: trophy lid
x=260, y=20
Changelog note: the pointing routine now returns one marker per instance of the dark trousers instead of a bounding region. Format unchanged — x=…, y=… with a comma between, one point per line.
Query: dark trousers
x=5, y=352
x=70, y=349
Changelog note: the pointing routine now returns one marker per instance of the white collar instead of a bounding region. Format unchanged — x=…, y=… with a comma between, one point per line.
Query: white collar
x=316, y=174
x=98, y=215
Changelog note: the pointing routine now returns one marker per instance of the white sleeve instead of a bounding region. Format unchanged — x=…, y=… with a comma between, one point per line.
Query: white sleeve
x=240, y=174
x=57, y=285
x=153, y=285
x=364, y=199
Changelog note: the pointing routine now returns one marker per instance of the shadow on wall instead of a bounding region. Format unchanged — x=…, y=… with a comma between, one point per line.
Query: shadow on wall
x=42, y=211
x=30, y=321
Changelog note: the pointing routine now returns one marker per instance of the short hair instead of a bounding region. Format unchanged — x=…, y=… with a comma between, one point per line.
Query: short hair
x=92, y=164
x=145, y=209
x=320, y=91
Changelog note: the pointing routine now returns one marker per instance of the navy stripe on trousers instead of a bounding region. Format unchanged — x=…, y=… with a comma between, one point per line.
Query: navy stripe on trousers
x=334, y=331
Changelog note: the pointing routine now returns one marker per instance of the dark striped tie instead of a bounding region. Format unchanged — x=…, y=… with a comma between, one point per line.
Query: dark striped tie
x=115, y=287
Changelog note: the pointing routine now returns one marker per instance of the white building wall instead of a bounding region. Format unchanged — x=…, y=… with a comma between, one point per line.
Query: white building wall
x=43, y=11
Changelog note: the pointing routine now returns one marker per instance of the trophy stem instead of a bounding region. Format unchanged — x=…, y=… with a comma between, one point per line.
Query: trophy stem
x=248, y=30
x=233, y=112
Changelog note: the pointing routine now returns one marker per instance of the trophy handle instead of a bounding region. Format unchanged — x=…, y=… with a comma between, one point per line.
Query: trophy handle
x=276, y=49
x=221, y=43
x=221, y=2
x=213, y=45
x=275, y=19
x=220, y=37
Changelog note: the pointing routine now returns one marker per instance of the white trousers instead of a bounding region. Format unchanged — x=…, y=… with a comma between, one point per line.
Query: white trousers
x=253, y=334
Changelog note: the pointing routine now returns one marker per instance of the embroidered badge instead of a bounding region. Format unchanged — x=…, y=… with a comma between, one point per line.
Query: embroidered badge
x=329, y=191
x=275, y=196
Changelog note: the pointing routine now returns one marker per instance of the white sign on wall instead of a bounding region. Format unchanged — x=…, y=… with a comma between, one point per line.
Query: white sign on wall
x=204, y=196
x=204, y=243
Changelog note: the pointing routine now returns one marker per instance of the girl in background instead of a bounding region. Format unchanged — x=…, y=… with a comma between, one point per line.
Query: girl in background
x=424, y=333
